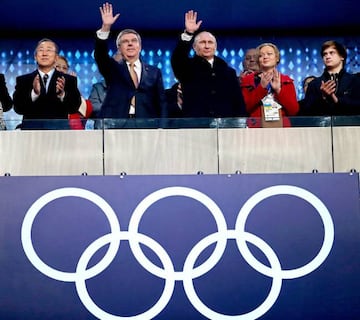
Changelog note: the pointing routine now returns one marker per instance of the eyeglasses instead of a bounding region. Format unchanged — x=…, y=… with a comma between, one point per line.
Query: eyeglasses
x=42, y=50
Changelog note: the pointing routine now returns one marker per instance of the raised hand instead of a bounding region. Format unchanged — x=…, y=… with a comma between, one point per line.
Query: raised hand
x=108, y=19
x=191, y=25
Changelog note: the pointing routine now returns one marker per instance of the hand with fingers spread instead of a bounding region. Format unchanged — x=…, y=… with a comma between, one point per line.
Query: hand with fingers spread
x=107, y=16
x=191, y=25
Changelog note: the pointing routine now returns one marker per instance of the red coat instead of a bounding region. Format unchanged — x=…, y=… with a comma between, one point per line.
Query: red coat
x=253, y=94
x=76, y=119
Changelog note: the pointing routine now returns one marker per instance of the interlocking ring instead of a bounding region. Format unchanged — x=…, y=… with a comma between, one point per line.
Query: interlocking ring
x=168, y=273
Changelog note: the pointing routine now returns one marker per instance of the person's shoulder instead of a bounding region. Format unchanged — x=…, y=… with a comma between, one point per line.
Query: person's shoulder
x=149, y=67
x=286, y=78
x=100, y=84
x=248, y=79
x=27, y=76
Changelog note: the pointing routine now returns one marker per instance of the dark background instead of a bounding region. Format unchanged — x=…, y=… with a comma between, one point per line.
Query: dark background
x=234, y=16
x=298, y=28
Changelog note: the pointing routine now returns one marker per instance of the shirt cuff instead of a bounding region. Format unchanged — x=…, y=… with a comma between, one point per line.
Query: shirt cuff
x=103, y=35
x=186, y=37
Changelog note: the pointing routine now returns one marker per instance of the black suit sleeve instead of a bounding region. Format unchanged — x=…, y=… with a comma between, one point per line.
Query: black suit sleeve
x=5, y=98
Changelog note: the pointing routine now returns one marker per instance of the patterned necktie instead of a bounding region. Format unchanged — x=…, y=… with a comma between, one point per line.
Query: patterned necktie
x=136, y=83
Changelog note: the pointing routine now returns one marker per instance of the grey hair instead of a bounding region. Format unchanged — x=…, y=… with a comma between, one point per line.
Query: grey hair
x=127, y=31
x=47, y=40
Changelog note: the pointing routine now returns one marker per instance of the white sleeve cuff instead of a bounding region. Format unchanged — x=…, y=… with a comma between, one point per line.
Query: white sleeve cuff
x=103, y=35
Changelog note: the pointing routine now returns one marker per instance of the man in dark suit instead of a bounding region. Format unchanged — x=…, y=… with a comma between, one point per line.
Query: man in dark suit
x=46, y=94
x=210, y=87
x=140, y=94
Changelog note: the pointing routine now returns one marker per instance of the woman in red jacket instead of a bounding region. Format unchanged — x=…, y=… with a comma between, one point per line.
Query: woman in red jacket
x=269, y=95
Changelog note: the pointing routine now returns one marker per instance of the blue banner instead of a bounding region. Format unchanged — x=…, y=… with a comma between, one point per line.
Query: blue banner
x=254, y=246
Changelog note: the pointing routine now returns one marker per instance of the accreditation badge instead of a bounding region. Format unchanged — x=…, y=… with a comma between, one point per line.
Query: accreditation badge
x=271, y=108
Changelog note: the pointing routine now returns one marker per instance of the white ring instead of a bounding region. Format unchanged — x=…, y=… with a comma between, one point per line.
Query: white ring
x=42, y=202
x=177, y=191
x=303, y=194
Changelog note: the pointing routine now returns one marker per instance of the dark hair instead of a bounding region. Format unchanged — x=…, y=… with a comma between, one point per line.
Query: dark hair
x=338, y=47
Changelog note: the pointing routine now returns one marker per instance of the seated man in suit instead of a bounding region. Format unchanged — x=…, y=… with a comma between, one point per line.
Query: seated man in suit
x=134, y=89
x=46, y=96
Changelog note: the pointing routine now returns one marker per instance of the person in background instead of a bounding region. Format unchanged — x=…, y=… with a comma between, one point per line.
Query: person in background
x=336, y=91
x=46, y=94
x=174, y=98
x=268, y=90
x=210, y=88
x=250, y=63
x=77, y=119
x=134, y=89
x=98, y=91
x=5, y=101
x=305, y=85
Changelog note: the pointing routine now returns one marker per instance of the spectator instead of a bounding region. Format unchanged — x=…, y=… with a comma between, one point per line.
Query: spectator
x=250, y=63
x=98, y=91
x=5, y=101
x=174, y=98
x=210, y=87
x=62, y=65
x=77, y=119
x=335, y=92
x=269, y=95
x=46, y=94
x=305, y=85
x=134, y=89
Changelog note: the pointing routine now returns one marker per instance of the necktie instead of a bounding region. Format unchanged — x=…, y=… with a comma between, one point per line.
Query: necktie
x=136, y=83
x=134, y=75
x=45, y=79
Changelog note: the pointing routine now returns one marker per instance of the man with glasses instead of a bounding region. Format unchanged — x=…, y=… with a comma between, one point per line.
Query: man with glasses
x=134, y=89
x=46, y=94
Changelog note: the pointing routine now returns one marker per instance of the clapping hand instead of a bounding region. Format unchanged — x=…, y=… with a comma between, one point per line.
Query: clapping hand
x=36, y=85
x=60, y=87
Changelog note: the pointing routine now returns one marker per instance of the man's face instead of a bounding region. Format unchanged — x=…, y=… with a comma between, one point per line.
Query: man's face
x=129, y=46
x=205, y=45
x=251, y=60
x=45, y=54
x=331, y=58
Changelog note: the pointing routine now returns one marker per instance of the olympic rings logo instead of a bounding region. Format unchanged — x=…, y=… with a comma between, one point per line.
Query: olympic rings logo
x=113, y=239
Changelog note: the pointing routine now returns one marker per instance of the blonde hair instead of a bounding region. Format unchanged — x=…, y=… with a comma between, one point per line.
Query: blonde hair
x=269, y=44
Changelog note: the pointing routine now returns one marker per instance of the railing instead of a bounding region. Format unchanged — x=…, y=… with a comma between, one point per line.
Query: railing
x=181, y=146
